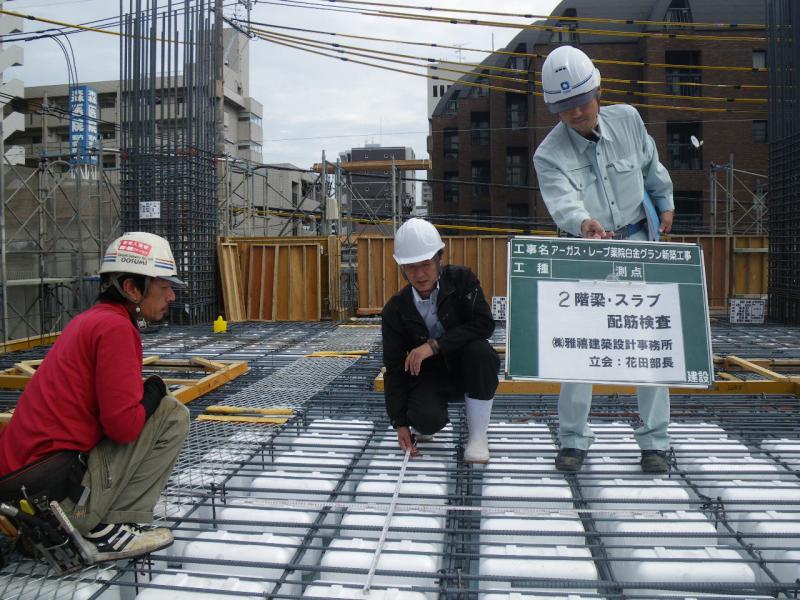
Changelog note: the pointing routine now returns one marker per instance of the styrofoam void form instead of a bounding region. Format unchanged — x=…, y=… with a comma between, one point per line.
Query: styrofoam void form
x=418, y=559
x=323, y=591
x=355, y=426
x=636, y=494
x=535, y=596
x=621, y=447
x=253, y=515
x=516, y=491
x=557, y=529
x=613, y=430
x=680, y=430
x=511, y=562
x=185, y=586
x=775, y=534
x=784, y=449
x=594, y=464
x=692, y=448
x=410, y=525
x=701, y=565
x=713, y=473
x=33, y=587
x=517, y=447
x=740, y=497
x=315, y=440
x=250, y=551
x=667, y=529
x=421, y=488
x=534, y=465
x=530, y=429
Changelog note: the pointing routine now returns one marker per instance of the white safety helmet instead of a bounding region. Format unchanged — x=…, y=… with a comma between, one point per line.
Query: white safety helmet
x=415, y=241
x=569, y=79
x=141, y=253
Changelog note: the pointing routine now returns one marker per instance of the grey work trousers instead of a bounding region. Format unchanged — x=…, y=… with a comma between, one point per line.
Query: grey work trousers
x=126, y=480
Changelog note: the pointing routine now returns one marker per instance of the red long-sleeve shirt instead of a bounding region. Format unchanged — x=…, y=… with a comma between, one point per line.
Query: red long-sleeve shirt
x=88, y=387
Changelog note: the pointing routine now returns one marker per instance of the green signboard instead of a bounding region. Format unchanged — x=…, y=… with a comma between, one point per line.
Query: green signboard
x=602, y=311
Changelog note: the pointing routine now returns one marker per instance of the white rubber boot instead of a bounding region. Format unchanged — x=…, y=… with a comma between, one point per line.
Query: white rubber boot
x=421, y=437
x=478, y=414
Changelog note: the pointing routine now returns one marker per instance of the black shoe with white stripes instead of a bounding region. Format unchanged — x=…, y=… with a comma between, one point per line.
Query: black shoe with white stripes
x=116, y=541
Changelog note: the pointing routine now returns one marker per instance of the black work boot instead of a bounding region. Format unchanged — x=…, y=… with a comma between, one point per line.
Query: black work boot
x=570, y=460
x=654, y=461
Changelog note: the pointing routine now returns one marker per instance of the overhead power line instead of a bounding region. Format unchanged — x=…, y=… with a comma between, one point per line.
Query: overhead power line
x=576, y=19
x=628, y=63
x=548, y=28
x=280, y=42
x=487, y=72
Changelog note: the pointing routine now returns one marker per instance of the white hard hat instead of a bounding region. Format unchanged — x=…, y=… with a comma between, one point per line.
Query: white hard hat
x=569, y=79
x=415, y=241
x=141, y=253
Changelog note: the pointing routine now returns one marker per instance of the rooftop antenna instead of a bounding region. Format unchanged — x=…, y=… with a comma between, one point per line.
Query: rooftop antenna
x=459, y=51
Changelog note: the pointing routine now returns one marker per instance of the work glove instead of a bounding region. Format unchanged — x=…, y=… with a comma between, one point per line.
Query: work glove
x=154, y=390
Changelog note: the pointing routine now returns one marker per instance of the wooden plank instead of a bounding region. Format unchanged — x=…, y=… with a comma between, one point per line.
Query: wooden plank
x=212, y=381
x=233, y=410
x=231, y=280
x=251, y=420
x=753, y=368
x=506, y=386
x=28, y=342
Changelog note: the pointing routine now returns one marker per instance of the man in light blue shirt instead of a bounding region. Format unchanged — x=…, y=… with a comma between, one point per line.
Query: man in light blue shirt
x=595, y=170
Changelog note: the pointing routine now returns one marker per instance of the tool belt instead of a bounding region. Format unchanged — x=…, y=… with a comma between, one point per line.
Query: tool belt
x=56, y=476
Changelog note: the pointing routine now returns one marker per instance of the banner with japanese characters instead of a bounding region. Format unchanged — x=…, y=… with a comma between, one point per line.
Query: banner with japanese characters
x=83, y=116
x=602, y=311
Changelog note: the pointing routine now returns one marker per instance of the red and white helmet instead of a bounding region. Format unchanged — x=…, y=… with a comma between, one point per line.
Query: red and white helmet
x=569, y=79
x=141, y=253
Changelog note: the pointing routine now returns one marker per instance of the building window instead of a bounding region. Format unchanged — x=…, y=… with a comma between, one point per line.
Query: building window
x=451, y=187
x=108, y=134
x=107, y=100
x=450, y=143
x=518, y=62
x=680, y=80
x=518, y=210
x=436, y=91
x=517, y=166
x=109, y=162
x=681, y=153
x=568, y=34
x=688, y=212
x=481, y=176
x=760, y=131
x=481, y=216
x=678, y=11
x=759, y=59
x=481, y=87
x=451, y=106
x=479, y=124
x=516, y=111
x=250, y=117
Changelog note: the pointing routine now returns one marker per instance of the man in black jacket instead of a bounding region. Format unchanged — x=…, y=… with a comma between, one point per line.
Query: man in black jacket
x=435, y=346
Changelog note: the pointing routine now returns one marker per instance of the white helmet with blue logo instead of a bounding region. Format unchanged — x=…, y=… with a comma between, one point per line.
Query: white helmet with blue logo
x=569, y=79
x=141, y=253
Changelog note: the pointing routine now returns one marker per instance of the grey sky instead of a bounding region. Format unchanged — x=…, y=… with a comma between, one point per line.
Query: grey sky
x=311, y=103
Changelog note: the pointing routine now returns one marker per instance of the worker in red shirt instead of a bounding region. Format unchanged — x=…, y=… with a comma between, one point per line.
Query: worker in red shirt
x=103, y=441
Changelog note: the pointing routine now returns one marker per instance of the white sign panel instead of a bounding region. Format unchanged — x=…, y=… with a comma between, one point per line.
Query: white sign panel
x=747, y=310
x=499, y=304
x=150, y=209
x=611, y=330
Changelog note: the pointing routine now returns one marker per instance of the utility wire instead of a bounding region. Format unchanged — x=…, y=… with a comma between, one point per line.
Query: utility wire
x=507, y=52
x=376, y=54
x=536, y=27
x=561, y=18
x=277, y=41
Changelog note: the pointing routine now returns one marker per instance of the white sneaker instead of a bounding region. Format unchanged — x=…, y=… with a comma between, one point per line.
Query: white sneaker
x=477, y=450
x=116, y=541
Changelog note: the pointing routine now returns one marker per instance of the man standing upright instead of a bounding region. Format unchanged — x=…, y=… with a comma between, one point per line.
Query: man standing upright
x=600, y=176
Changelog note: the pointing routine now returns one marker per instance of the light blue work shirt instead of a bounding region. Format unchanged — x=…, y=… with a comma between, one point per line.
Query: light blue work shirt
x=427, y=310
x=605, y=180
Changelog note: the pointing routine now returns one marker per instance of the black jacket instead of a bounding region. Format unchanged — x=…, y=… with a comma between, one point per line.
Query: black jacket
x=465, y=316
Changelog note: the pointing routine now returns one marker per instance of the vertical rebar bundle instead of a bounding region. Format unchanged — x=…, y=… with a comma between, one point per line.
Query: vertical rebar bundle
x=169, y=81
x=783, y=18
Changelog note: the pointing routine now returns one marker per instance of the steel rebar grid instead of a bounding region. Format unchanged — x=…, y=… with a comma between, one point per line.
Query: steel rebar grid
x=221, y=462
